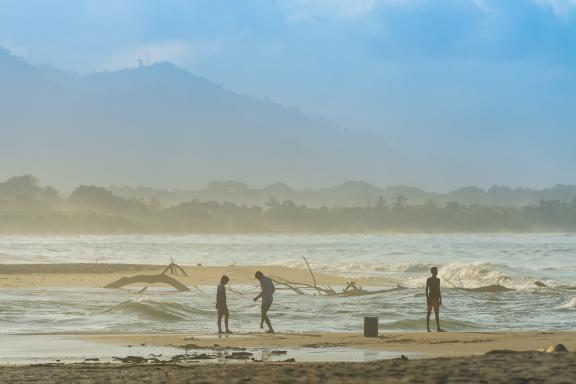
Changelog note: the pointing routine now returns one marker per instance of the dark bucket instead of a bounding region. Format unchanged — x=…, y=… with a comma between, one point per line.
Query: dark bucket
x=371, y=327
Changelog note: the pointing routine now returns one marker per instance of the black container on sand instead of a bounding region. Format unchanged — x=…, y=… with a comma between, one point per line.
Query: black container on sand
x=371, y=327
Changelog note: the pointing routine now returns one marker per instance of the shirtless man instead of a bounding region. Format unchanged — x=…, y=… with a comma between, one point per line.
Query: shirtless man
x=268, y=289
x=433, y=299
x=221, y=304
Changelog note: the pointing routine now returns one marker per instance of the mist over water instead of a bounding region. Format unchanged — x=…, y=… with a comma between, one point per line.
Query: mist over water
x=514, y=261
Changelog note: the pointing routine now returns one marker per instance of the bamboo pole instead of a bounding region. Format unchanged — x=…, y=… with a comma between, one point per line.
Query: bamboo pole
x=313, y=277
x=449, y=282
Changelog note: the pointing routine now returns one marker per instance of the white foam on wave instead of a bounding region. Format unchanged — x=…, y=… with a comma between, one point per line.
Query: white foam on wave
x=474, y=275
x=570, y=304
x=468, y=275
x=481, y=274
x=471, y=275
x=358, y=268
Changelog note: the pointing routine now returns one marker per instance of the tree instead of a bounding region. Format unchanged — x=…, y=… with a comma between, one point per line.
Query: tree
x=21, y=187
x=399, y=201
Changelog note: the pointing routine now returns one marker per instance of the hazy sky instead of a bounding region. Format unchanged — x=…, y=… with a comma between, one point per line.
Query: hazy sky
x=493, y=80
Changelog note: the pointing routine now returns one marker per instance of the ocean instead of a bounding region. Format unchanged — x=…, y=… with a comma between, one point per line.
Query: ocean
x=474, y=260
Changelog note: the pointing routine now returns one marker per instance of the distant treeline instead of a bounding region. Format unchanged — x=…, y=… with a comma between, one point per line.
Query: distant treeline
x=349, y=194
x=27, y=207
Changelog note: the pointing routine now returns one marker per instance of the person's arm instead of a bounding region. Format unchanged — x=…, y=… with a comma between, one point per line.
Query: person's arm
x=261, y=292
x=219, y=297
x=439, y=293
x=427, y=291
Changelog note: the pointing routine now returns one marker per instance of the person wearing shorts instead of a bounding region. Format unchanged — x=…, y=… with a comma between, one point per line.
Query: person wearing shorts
x=267, y=295
x=433, y=299
x=221, y=304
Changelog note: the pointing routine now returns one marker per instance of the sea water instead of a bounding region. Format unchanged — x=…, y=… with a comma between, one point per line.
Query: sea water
x=514, y=261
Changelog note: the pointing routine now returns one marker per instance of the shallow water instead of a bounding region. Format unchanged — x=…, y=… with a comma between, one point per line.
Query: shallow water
x=515, y=261
x=42, y=349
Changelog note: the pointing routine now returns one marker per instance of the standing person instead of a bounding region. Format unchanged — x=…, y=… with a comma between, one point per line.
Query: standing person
x=433, y=299
x=267, y=296
x=221, y=305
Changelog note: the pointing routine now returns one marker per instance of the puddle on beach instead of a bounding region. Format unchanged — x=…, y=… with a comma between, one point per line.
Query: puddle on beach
x=47, y=349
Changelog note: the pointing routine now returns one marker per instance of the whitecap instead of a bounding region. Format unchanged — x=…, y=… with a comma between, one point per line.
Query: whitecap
x=570, y=304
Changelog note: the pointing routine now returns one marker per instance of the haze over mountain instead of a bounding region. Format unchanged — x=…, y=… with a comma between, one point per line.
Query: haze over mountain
x=159, y=125
x=485, y=99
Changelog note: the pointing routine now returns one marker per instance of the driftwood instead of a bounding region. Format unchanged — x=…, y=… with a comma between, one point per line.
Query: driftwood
x=363, y=292
x=352, y=290
x=494, y=288
x=449, y=282
x=149, y=279
x=299, y=287
x=287, y=284
x=312, y=273
x=174, y=268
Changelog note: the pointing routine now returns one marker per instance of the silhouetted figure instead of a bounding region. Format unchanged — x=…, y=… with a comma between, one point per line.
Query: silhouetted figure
x=267, y=293
x=433, y=299
x=221, y=305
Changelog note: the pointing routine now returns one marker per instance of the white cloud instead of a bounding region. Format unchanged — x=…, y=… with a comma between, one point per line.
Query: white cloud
x=300, y=10
x=559, y=7
x=480, y=4
x=177, y=52
x=357, y=7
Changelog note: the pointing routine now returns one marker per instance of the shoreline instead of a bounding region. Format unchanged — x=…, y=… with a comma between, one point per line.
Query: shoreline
x=466, y=357
x=418, y=344
x=97, y=275
x=527, y=367
x=428, y=344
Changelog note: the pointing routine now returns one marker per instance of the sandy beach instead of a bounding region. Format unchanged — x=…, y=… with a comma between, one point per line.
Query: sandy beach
x=445, y=358
x=526, y=367
x=98, y=275
x=426, y=344
x=452, y=357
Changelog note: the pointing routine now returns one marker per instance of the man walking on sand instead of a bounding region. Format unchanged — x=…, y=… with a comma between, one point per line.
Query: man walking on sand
x=267, y=296
x=221, y=304
x=433, y=299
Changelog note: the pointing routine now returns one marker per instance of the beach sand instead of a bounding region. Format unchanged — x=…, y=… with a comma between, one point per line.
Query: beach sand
x=441, y=357
x=524, y=367
x=427, y=344
x=98, y=275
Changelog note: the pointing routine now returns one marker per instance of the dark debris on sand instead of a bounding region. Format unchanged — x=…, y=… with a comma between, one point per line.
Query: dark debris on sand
x=523, y=367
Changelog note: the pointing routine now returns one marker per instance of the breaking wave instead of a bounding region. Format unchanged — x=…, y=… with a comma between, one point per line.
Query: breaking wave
x=355, y=268
x=157, y=311
x=570, y=304
x=482, y=274
x=471, y=275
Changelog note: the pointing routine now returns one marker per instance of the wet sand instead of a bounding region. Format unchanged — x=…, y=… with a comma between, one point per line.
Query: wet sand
x=524, y=367
x=446, y=357
x=98, y=275
x=427, y=344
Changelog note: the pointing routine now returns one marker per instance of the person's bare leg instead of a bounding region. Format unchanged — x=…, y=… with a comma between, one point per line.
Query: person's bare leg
x=220, y=322
x=428, y=320
x=437, y=315
x=262, y=315
x=269, y=324
x=226, y=317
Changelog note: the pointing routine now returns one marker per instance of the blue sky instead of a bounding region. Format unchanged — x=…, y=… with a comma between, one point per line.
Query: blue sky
x=488, y=82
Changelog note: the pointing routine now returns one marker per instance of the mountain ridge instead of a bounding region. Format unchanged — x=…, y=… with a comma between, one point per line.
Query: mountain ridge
x=155, y=125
